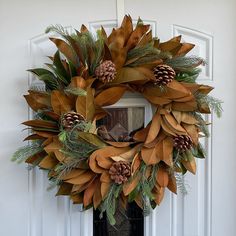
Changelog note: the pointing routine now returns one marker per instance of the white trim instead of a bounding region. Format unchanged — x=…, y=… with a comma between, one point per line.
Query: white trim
x=120, y=10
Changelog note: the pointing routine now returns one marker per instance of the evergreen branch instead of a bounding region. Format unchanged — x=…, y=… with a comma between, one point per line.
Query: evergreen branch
x=181, y=183
x=188, y=76
x=23, y=153
x=109, y=204
x=59, y=29
x=215, y=104
x=145, y=54
x=202, y=123
x=185, y=63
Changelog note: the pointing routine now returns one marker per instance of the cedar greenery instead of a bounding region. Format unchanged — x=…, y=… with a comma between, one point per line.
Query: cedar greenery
x=77, y=157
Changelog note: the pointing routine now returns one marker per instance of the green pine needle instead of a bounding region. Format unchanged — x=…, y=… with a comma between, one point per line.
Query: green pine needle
x=185, y=63
x=23, y=153
x=215, y=104
x=109, y=204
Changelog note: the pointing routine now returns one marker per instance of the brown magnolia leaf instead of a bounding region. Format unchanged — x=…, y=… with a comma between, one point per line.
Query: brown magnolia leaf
x=136, y=163
x=65, y=49
x=48, y=162
x=167, y=129
x=104, y=189
x=72, y=174
x=52, y=115
x=41, y=124
x=105, y=177
x=141, y=135
x=168, y=151
x=205, y=89
x=188, y=119
x=176, y=90
x=131, y=184
x=159, y=195
x=170, y=46
x=93, y=163
x=154, y=128
x=190, y=165
x=77, y=198
x=82, y=179
x=176, y=39
x=162, y=177
x=104, y=162
x=77, y=82
x=64, y=189
x=128, y=74
x=38, y=100
x=61, y=103
x=55, y=147
x=127, y=26
x=118, y=55
x=178, y=116
x=36, y=158
x=204, y=108
x=85, y=105
x=185, y=48
x=109, y=96
x=155, y=99
x=89, y=193
x=185, y=106
x=33, y=137
x=97, y=197
x=173, y=124
x=92, y=139
x=127, y=156
x=136, y=35
x=45, y=134
x=150, y=155
x=172, y=186
x=193, y=132
x=147, y=38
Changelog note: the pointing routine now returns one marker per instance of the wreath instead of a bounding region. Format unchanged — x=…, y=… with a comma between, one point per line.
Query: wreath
x=86, y=75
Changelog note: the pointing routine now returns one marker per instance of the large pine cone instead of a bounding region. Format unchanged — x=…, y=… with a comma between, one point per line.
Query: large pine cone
x=70, y=119
x=120, y=172
x=164, y=74
x=106, y=71
x=182, y=143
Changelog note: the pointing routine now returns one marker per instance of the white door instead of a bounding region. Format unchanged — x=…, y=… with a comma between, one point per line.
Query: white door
x=209, y=208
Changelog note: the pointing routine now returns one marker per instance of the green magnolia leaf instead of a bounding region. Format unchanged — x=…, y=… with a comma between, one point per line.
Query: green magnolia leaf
x=57, y=73
x=92, y=139
x=60, y=68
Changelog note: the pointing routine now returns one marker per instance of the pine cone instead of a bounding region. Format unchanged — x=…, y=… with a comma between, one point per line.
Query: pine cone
x=182, y=143
x=120, y=172
x=70, y=119
x=164, y=74
x=106, y=71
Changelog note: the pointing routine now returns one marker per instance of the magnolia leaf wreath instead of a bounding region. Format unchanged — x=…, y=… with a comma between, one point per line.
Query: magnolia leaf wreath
x=87, y=74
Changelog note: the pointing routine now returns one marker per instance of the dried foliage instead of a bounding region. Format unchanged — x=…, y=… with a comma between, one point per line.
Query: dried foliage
x=88, y=74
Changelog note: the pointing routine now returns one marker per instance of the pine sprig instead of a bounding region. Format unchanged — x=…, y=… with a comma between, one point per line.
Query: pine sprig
x=110, y=202
x=57, y=29
x=181, y=183
x=215, y=104
x=23, y=153
x=144, y=55
x=202, y=123
x=188, y=76
x=185, y=64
